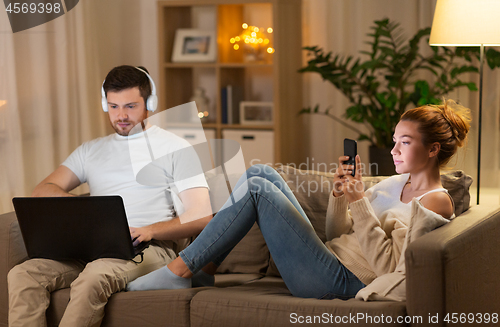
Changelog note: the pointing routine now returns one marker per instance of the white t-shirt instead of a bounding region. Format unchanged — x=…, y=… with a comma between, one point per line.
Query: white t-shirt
x=148, y=170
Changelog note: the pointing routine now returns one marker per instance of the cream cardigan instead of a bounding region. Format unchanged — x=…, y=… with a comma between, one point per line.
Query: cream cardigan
x=370, y=238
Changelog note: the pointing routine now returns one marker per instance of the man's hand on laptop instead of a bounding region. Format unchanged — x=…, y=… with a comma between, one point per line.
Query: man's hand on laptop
x=141, y=234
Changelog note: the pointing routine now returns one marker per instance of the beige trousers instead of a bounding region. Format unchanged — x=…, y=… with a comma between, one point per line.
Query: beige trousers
x=31, y=283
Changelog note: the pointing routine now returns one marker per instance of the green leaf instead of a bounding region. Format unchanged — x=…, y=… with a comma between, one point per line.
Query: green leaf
x=305, y=111
x=432, y=70
x=472, y=86
x=363, y=137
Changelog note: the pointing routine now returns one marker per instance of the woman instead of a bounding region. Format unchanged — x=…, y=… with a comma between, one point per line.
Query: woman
x=364, y=242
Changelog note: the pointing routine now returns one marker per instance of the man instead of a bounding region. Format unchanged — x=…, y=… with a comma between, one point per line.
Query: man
x=106, y=165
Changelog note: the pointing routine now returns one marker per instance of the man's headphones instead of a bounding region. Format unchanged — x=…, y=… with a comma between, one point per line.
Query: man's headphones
x=151, y=101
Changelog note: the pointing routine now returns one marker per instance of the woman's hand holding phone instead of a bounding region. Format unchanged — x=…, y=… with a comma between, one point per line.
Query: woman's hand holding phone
x=345, y=183
x=339, y=176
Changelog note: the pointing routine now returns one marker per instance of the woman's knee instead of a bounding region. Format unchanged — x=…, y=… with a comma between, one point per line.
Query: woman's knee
x=256, y=169
x=261, y=185
x=263, y=171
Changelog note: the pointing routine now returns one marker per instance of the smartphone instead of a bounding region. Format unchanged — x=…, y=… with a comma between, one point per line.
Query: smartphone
x=350, y=150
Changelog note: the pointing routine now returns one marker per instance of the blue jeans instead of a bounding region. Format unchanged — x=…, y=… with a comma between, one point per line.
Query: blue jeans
x=306, y=265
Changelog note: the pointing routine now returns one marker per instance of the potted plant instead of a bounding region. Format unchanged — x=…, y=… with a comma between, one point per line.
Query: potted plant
x=381, y=86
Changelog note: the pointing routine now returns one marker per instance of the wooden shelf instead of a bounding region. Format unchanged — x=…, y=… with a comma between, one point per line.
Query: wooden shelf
x=215, y=65
x=275, y=79
x=239, y=126
x=189, y=65
x=244, y=65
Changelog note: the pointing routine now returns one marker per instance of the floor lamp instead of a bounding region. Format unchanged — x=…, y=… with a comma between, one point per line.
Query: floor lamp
x=468, y=23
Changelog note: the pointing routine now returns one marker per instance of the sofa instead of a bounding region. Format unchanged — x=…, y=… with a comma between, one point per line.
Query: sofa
x=452, y=274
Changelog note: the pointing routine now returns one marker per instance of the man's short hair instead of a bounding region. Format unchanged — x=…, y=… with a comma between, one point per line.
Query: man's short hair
x=125, y=77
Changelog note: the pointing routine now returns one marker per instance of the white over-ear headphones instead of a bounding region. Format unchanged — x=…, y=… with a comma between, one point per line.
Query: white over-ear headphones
x=151, y=102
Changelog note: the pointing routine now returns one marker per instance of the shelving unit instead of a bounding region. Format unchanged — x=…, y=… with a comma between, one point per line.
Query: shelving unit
x=274, y=79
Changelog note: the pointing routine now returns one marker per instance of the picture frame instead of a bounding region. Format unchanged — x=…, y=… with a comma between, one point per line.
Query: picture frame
x=256, y=113
x=194, y=45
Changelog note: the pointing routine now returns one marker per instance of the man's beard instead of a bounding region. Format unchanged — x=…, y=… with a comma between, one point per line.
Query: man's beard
x=119, y=130
x=130, y=128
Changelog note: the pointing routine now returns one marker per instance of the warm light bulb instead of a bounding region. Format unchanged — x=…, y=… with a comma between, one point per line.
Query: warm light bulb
x=200, y=114
x=237, y=39
x=205, y=113
x=254, y=34
x=232, y=40
x=245, y=26
x=269, y=30
x=247, y=40
x=270, y=50
x=256, y=29
x=236, y=47
x=261, y=40
x=266, y=41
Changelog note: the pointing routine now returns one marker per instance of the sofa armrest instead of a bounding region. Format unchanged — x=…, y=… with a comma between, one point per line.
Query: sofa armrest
x=455, y=268
x=12, y=252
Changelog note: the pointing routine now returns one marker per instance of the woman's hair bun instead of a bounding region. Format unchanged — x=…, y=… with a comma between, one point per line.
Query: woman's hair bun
x=458, y=117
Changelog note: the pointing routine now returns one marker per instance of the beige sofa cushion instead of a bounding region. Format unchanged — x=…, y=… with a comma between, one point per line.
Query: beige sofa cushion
x=249, y=256
x=144, y=309
x=268, y=302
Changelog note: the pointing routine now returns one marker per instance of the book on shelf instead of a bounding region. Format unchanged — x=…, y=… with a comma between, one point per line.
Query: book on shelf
x=223, y=103
x=231, y=96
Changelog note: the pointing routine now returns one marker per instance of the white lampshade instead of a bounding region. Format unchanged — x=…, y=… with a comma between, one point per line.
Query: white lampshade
x=466, y=23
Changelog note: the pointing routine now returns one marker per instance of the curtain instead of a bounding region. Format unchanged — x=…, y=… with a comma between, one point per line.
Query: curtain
x=47, y=74
x=11, y=159
x=50, y=78
x=341, y=26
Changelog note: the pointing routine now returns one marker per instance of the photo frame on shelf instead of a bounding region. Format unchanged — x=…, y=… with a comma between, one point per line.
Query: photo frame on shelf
x=256, y=113
x=194, y=45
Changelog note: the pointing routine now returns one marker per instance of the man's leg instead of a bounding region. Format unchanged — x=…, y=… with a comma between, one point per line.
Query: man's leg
x=30, y=285
x=103, y=277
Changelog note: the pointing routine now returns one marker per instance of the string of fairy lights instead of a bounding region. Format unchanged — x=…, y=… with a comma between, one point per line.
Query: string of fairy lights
x=254, y=37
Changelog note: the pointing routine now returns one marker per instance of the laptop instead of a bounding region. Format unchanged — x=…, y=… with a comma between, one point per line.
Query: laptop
x=86, y=228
